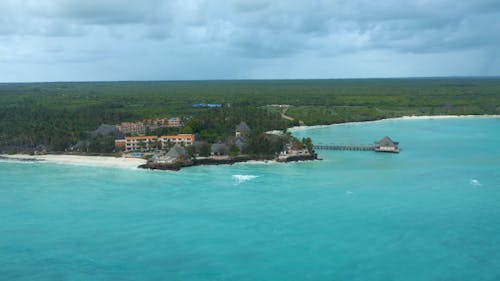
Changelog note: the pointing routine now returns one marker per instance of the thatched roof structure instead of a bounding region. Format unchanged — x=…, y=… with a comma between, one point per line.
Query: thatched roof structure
x=242, y=127
x=387, y=141
x=219, y=149
x=177, y=152
x=106, y=130
x=239, y=142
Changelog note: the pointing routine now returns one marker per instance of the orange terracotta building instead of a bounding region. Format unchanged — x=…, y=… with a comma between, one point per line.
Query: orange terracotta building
x=148, y=143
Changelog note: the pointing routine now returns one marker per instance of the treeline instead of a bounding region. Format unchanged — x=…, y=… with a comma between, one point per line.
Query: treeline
x=58, y=115
x=217, y=124
x=154, y=98
x=25, y=127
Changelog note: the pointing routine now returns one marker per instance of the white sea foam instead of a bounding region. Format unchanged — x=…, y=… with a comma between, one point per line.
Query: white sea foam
x=243, y=178
x=258, y=162
x=475, y=183
x=17, y=161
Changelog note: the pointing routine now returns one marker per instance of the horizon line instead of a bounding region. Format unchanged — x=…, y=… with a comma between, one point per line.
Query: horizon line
x=261, y=79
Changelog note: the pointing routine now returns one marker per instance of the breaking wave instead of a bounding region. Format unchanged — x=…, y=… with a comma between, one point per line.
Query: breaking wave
x=243, y=178
x=475, y=183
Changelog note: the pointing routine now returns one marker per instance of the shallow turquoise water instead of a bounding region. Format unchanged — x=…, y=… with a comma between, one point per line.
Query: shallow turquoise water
x=431, y=212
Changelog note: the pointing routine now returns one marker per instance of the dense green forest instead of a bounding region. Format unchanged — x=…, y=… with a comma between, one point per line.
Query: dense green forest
x=57, y=115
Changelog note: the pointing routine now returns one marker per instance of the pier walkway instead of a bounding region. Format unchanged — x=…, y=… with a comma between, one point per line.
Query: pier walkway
x=384, y=145
x=345, y=147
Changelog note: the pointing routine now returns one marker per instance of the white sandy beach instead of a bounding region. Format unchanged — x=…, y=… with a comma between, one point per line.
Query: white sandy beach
x=124, y=162
x=412, y=117
x=443, y=117
x=103, y=161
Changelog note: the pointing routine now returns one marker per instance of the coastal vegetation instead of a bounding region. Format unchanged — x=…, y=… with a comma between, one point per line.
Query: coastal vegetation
x=56, y=116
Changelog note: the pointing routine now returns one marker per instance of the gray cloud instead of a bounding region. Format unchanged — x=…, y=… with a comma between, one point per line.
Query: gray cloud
x=280, y=39
x=107, y=12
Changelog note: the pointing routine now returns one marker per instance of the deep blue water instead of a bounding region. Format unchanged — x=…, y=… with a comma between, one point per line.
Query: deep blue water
x=431, y=212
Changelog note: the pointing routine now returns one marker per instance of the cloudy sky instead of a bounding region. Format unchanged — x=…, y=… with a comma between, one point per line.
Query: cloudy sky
x=75, y=40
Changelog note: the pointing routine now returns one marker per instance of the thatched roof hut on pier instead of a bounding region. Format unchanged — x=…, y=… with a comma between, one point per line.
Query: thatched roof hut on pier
x=387, y=145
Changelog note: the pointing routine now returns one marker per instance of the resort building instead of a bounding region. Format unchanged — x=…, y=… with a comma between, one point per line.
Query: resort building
x=175, y=154
x=132, y=128
x=242, y=130
x=178, y=153
x=148, y=143
x=142, y=143
x=106, y=130
x=182, y=139
x=154, y=124
x=140, y=128
x=240, y=143
x=120, y=144
x=386, y=145
x=219, y=149
x=290, y=150
x=174, y=122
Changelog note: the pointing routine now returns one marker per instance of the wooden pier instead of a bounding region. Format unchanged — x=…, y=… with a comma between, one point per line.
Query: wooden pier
x=384, y=145
x=345, y=147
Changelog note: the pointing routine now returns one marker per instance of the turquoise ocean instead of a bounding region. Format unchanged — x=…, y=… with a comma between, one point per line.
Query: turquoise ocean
x=431, y=212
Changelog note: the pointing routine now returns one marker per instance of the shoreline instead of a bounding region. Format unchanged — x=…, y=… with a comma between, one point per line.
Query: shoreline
x=132, y=163
x=406, y=117
x=94, y=161
x=135, y=163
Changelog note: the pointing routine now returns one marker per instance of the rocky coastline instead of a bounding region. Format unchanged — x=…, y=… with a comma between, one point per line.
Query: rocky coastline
x=226, y=161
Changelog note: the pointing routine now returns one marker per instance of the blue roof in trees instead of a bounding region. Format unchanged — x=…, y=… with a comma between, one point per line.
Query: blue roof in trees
x=210, y=105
